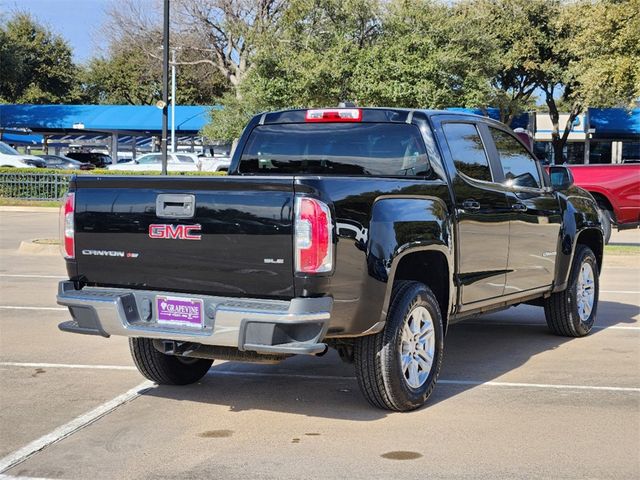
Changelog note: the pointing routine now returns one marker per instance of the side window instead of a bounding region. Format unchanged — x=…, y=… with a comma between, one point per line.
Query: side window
x=184, y=159
x=519, y=166
x=149, y=159
x=467, y=150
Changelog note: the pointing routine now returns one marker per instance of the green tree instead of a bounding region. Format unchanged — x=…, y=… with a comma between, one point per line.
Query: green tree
x=37, y=64
x=307, y=59
x=430, y=55
x=227, y=123
x=606, y=42
x=312, y=61
x=592, y=59
x=127, y=74
x=518, y=29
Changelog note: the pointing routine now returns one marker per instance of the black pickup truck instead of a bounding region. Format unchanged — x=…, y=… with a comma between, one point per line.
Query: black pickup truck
x=369, y=230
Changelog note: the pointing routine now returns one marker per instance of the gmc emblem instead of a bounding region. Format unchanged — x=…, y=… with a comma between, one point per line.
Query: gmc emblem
x=175, y=232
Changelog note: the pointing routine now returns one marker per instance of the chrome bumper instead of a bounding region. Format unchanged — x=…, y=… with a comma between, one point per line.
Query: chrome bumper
x=296, y=326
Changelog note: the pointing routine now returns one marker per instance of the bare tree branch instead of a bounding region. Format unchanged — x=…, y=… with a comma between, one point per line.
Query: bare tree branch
x=219, y=33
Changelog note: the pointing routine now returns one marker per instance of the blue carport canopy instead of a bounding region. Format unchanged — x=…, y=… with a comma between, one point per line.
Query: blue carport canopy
x=21, y=139
x=133, y=119
x=616, y=123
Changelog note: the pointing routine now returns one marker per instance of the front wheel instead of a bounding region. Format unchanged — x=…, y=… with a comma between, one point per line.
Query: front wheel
x=572, y=312
x=398, y=367
x=166, y=369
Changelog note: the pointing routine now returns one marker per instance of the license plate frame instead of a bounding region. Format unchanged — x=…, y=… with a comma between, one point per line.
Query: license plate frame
x=177, y=311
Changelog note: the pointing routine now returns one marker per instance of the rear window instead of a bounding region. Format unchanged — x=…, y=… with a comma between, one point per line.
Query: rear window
x=381, y=149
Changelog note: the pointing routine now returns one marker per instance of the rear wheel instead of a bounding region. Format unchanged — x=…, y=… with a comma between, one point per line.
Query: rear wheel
x=606, y=220
x=397, y=368
x=166, y=369
x=572, y=312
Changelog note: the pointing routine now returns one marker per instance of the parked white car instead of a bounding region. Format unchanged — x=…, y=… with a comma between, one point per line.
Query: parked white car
x=10, y=157
x=176, y=162
x=215, y=164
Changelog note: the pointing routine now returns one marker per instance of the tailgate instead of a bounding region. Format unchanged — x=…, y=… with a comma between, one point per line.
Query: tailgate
x=238, y=241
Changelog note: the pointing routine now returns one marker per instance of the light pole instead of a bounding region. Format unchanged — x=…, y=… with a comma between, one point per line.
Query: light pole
x=173, y=100
x=165, y=89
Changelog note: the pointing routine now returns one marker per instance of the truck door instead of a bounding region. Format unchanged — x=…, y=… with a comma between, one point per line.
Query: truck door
x=535, y=218
x=482, y=210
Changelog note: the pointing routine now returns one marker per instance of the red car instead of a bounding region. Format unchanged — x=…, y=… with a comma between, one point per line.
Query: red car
x=616, y=188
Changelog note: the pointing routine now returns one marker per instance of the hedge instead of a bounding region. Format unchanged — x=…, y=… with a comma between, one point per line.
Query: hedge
x=52, y=184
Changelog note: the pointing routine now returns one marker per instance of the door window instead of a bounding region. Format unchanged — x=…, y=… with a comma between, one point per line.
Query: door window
x=185, y=159
x=467, y=150
x=520, y=168
x=149, y=159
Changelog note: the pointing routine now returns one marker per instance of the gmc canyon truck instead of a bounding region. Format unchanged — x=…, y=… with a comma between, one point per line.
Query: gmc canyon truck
x=368, y=230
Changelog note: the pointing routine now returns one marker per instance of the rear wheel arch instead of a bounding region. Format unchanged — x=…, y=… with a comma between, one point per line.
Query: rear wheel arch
x=592, y=238
x=604, y=203
x=430, y=267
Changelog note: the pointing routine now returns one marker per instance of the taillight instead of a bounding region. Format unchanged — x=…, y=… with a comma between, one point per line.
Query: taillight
x=313, y=239
x=67, y=244
x=334, y=115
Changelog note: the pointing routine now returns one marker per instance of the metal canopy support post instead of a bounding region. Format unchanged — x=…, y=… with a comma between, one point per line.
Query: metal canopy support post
x=173, y=101
x=165, y=89
x=587, y=138
x=134, y=142
x=114, y=148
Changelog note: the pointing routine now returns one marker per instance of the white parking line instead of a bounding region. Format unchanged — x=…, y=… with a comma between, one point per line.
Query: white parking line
x=67, y=365
x=20, y=307
x=227, y=373
x=506, y=324
x=71, y=427
x=11, y=477
x=541, y=385
x=11, y=275
x=632, y=292
x=442, y=381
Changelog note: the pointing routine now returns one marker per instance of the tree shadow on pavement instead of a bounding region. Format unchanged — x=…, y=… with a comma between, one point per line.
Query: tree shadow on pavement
x=479, y=350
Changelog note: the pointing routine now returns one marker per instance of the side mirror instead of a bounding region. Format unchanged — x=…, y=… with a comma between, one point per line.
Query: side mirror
x=561, y=177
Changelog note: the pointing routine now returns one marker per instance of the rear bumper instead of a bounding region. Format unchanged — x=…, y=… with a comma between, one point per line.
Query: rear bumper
x=264, y=326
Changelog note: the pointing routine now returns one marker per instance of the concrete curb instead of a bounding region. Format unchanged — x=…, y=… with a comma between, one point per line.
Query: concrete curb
x=29, y=209
x=28, y=247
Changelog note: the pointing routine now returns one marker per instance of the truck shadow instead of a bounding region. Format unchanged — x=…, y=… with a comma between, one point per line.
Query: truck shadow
x=478, y=350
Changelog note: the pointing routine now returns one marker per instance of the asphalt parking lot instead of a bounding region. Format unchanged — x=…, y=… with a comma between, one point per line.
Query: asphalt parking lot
x=513, y=402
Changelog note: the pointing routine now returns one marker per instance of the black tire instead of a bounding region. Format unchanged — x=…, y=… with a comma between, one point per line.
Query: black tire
x=561, y=309
x=378, y=357
x=166, y=369
x=606, y=220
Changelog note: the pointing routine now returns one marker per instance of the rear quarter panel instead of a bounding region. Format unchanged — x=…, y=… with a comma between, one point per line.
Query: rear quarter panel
x=377, y=221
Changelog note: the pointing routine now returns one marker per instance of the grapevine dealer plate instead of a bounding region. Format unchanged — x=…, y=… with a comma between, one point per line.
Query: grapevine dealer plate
x=179, y=311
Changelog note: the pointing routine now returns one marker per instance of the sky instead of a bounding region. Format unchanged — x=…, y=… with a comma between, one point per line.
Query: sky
x=80, y=22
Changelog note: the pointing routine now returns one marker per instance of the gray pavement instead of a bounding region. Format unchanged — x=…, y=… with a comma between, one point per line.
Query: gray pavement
x=515, y=401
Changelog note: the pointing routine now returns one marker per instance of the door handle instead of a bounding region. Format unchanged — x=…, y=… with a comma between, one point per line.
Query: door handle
x=471, y=205
x=175, y=206
x=519, y=207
